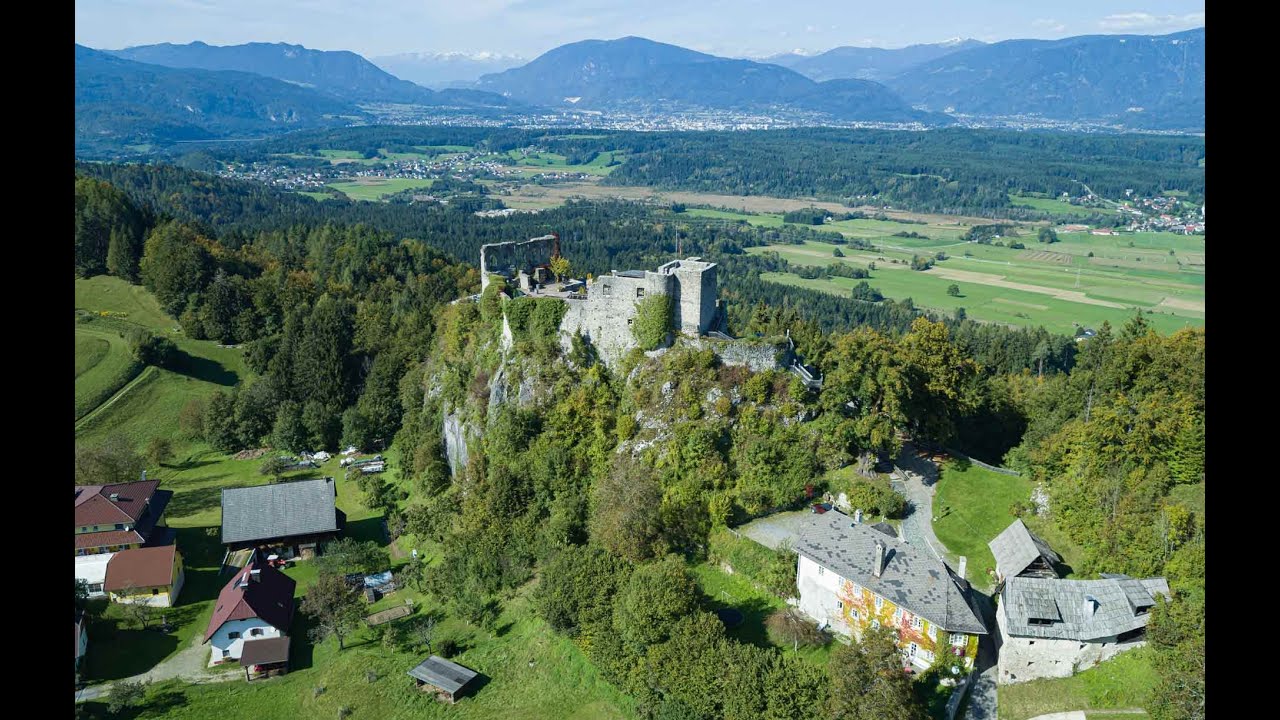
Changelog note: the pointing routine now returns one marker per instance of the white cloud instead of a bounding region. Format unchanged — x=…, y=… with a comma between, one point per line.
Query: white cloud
x=1049, y=25
x=1140, y=21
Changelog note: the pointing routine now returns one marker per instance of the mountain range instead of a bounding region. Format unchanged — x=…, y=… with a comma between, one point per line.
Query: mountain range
x=340, y=74
x=633, y=73
x=1138, y=81
x=119, y=102
x=876, y=64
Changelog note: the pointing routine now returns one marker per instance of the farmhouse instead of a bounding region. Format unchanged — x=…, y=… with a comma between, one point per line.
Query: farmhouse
x=256, y=604
x=1052, y=628
x=151, y=575
x=1019, y=553
x=121, y=516
x=293, y=515
x=852, y=576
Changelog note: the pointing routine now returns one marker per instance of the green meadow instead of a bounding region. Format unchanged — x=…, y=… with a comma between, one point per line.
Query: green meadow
x=375, y=188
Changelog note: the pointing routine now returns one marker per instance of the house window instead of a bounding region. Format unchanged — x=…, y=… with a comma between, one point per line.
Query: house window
x=606, y=289
x=839, y=605
x=81, y=552
x=855, y=614
x=875, y=623
x=630, y=322
x=255, y=632
x=879, y=602
x=917, y=623
x=912, y=649
x=155, y=591
x=119, y=526
x=897, y=615
x=933, y=632
x=821, y=571
x=226, y=653
x=926, y=656
x=857, y=590
x=96, y=587
x=959, y=640
x=639, y=293
x=233, y=635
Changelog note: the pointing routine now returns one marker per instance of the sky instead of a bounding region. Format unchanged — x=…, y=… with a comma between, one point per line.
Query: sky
x=528, y=28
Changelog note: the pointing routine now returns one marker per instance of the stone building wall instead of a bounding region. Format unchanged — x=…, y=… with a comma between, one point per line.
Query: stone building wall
x=511, y=258
x=1024, y=658
x=605, y=316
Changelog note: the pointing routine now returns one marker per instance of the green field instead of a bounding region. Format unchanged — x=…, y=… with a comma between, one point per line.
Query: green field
x=1125, y=681
x=760, y=220
x=373, y=188
x=103, y=366
x=540, y=162
x=316, y=195
x=1051, y=285
x=1054, y=206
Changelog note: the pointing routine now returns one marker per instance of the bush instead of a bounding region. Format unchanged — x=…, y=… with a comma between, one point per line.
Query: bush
x=652, y=323
x=447, y=647
x=150, y=349
x=126, y=694
x=875, y=497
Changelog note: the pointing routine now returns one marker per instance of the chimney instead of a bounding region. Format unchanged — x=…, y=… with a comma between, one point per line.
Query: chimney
x=144, y=476
x=115, y=497
x=255, y=575
x=963, y=561
x=879, y=566
x=1090, y=606
x=857, y=516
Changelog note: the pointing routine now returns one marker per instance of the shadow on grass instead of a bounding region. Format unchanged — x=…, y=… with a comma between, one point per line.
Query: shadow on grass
x=118, y=652
x=204, y=369
x=194, y=502
x=752, y=628
x=367, y=529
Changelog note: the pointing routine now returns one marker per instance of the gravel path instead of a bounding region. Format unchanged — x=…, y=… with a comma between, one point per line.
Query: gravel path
x=189, y=665
x=914, y=478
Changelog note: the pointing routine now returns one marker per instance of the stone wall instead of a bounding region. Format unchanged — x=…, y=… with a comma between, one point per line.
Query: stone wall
x=695, y=292
x=510, y=258
x=1023, y=658
x=757, y=355
x=604, y=317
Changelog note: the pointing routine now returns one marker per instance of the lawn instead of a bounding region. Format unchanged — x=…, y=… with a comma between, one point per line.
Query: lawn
x=103, y=366
x=736, y=591
x=971, y=505
x=375, y=188
x=1122, y=682
x=527, y=671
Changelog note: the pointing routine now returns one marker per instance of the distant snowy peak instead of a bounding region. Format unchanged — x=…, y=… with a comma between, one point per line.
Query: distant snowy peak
x=440, y=69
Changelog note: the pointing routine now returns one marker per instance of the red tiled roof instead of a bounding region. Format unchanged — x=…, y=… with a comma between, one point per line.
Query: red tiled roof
x=95, y=507
x=141, y=568
x=270, y=598
x=108, y=537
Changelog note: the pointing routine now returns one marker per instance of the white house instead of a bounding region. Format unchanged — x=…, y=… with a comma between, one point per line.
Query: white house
x=256, y=604
x=853, y=576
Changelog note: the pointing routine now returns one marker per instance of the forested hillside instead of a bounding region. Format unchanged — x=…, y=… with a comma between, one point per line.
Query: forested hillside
x=530, y=469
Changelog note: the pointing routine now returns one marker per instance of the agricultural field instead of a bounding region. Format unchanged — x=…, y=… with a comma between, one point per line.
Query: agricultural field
x=1084, y=279
x=540, y=162
x=376, y=188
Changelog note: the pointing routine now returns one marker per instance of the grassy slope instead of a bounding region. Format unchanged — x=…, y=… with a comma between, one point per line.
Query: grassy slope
x=103, y=366
x=1122, y=682
x=151, y=406
x=737, y=592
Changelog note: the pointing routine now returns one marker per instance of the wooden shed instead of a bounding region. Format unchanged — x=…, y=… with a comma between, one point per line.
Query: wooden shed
x=447, y=679
x=265, y=658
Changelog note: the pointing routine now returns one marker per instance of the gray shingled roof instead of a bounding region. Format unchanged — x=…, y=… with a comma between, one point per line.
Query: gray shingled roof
x=1016, y=547
x=448, y=676
x=1115, y=602
x=912, y=579
x=281, y=510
